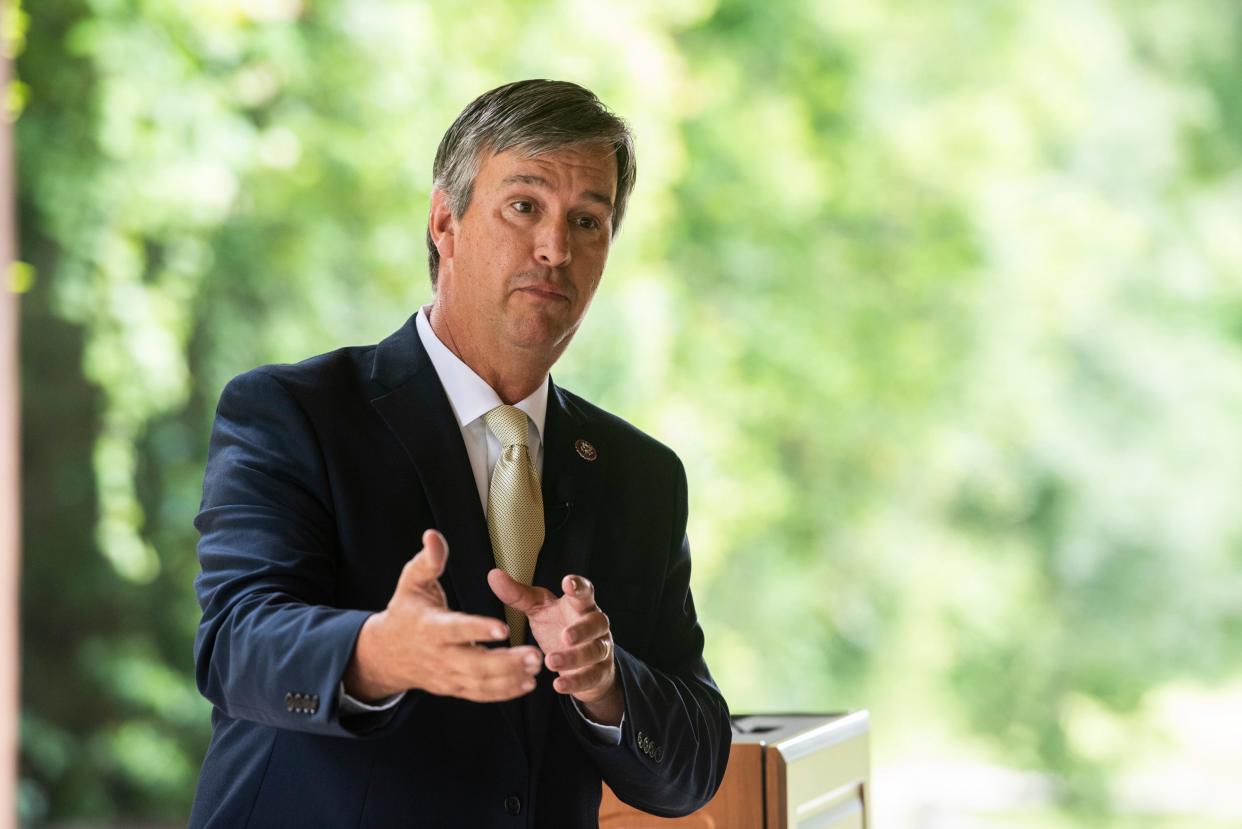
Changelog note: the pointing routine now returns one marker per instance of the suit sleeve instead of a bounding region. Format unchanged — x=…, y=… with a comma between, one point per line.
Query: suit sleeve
x=271, y=646
x=676, y=733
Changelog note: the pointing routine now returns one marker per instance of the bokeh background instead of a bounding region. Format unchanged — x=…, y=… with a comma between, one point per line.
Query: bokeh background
x=940, y=302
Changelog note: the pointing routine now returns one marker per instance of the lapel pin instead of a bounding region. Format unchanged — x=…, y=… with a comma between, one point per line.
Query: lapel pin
x=585, y=450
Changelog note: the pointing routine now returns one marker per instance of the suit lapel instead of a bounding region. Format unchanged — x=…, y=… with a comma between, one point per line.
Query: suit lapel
x=417, y=411
x=571, y=491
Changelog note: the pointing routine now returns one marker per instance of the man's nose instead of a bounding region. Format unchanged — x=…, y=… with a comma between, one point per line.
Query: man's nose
x=552, y=244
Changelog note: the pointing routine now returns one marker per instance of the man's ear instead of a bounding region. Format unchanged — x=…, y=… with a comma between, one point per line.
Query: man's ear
x=440, y=224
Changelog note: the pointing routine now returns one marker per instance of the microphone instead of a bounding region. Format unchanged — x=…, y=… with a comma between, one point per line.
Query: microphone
x=563, y=501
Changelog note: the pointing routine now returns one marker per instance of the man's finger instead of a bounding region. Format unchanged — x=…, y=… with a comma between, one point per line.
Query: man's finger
x=580, y=592
x=463, y=628
x=591, y=626
x=582, y=680
x=583, y=656
x=428, y=565
x=492, y=663
x=499, y=687
x=471, y=664
x=516, y=595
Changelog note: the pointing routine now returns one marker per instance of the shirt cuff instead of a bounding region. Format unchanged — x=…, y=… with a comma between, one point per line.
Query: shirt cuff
x=606, y=734
x=349, y=705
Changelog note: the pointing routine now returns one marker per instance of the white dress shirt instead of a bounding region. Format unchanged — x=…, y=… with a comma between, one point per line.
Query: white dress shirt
x=470, y=398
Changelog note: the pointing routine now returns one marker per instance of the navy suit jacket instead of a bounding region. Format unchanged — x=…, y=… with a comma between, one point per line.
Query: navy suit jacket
x=321, y=478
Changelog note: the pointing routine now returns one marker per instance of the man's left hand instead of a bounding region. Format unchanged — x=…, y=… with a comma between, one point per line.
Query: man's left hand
x=575, y=638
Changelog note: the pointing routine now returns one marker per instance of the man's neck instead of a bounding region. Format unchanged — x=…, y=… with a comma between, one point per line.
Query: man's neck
x=513, y=380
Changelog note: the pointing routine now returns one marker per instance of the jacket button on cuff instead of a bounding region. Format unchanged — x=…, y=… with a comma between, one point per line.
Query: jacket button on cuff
x=513, y=805
x=289, y=701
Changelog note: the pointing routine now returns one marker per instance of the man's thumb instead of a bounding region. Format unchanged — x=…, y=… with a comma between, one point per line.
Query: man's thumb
x=428, y=565
x=515, y=594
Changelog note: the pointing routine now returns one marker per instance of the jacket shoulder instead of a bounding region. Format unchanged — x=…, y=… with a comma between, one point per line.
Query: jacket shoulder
x=324, y=376
x=619, y=432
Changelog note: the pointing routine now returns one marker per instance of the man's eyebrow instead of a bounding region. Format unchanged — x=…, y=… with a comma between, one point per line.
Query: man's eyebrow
x=523, y=178
x=600, y=198
x=540, y=181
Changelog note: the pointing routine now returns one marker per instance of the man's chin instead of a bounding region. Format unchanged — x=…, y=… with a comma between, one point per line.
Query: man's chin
x=538, y=332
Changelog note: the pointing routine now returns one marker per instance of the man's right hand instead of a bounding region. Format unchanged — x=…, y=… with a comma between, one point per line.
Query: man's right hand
x=417, y=642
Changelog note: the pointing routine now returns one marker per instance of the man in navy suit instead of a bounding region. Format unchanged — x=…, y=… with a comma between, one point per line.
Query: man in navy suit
x=544, y=636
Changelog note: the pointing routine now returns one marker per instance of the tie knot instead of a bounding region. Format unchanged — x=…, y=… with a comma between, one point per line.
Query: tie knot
x=508, y=424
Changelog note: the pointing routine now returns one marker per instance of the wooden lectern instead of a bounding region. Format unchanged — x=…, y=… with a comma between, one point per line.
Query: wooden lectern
x=786, y=771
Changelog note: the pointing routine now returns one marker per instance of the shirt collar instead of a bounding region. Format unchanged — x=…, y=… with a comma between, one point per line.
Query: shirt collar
x=469, y=394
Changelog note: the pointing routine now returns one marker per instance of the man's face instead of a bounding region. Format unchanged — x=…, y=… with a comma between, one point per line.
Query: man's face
x=528, y=253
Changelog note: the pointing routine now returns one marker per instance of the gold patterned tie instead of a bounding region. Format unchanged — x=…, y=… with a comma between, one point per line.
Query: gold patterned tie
x=514, y=507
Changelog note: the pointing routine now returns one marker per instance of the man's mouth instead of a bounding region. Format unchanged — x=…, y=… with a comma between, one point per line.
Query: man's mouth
x=544, y=292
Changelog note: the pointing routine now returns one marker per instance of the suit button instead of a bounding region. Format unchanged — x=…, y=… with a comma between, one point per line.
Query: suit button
x=513, y=805
x=289, y=701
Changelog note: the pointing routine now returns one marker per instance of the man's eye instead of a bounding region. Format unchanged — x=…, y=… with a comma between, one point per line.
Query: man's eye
x=523, y=206
x=587, y=222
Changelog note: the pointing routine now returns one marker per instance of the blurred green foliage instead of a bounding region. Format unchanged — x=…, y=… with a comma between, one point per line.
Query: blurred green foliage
x=938, y=301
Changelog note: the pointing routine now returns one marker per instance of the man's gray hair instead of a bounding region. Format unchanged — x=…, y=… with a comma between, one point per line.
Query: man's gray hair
x=534, y=117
